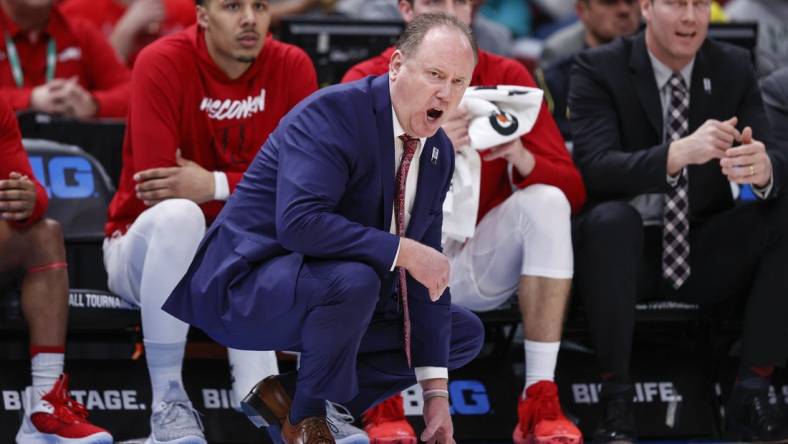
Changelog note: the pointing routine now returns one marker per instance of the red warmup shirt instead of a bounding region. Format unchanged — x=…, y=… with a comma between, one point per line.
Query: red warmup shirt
x=105, y=14
x=553, y=166
x=81, y=51
x=14, y=158
x=181, y=99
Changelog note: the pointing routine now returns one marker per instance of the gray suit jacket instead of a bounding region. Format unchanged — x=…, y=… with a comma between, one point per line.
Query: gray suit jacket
x=775, y=99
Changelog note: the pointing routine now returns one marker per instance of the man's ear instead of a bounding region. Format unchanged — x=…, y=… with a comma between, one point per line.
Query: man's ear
x=395, y=64
x=406, y=10
x=202, y=16
x=645, y=9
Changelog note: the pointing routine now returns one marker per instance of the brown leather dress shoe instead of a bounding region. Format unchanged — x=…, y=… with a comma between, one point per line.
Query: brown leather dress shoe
x=268, y=404
x=311, y=430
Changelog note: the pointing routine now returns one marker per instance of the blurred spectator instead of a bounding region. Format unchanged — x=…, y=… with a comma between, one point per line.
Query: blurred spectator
x=283, y=8
x=531, y=256
x=514, y=14
x=663, y=122
x=772, y=18
x=130, y=25
x=557, y=10
x=775, y=100
x=206, y=100
x=369, y=9
x=601, y=21
x=490, y=35
x=58, y=64
x=31, y=247
x=717, y=13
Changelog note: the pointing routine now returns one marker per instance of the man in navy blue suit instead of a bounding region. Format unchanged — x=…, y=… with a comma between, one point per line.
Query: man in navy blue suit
x=341, y=205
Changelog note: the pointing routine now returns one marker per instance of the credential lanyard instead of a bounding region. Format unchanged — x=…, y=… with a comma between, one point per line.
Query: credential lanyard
x=16, y=65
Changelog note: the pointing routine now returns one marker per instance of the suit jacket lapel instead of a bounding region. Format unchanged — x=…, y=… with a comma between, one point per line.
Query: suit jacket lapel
x=707, y=185
x=427, y=185
x=700, y=94
x=382, y=107
x=645, y=83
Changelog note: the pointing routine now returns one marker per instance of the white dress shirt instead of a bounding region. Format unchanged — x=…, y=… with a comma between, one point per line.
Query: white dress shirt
x=411, y=183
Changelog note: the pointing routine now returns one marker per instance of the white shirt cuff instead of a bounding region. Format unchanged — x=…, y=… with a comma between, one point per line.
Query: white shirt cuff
x=396, y=256
x=221, y=186
x=763, y=193
x=424, y=373
x=673, y=181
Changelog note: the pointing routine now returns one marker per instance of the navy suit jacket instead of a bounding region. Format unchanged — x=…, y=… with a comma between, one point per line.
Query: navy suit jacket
x=322, y=187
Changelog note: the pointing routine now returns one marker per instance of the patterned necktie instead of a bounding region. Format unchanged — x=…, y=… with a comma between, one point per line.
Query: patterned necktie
x=675, y=228
x=409, y=146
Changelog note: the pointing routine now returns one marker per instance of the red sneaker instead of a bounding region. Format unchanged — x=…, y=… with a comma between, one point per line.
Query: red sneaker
x=541, y=419
x=57, y=418
x=386, y=424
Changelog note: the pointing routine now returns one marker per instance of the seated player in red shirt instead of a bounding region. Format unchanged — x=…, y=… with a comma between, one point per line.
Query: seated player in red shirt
x=204, y=101
x=130, y=25
x=58, y=64
x=32, y=246
x=522, y=242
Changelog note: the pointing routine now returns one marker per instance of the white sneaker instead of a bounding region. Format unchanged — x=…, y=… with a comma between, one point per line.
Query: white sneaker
x=174, y=420
x=340, y=421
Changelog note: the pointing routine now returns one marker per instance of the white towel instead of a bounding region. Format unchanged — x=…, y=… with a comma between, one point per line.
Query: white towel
x=498, y=114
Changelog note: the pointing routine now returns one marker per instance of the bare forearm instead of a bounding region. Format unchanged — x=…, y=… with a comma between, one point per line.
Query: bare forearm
x=122, y=39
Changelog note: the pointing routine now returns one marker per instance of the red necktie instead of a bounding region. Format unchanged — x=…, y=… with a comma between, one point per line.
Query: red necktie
x=409, y=145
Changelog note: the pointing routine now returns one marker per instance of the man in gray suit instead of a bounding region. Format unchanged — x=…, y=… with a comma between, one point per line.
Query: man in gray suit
x=600, y=22
x=775, y=99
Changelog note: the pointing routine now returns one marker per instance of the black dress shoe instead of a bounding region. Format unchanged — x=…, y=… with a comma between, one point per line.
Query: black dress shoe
x=617, y=423
x=749, y=416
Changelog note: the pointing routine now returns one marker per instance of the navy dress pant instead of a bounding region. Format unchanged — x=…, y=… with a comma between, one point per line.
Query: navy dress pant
x=351, y=349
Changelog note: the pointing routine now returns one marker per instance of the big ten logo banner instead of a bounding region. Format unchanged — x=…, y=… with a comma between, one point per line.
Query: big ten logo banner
x=114, y=399
x=64, y=177
x=483, y=397
x=467, y=397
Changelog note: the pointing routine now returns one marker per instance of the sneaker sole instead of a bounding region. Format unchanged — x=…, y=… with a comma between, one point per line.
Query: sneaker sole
x=47, y=438
x=357, y=438
x=558, y=439
x=186, y=440
x=402, y=440
x=555, y=439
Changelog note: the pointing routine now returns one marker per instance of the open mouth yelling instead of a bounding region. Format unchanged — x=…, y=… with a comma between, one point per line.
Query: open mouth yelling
x=434, y=114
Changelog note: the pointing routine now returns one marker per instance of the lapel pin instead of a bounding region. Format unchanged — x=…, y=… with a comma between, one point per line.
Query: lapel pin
x=707, y=85
x=434, y=158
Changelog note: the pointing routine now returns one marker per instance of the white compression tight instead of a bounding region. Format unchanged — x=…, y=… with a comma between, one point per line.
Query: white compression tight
x=144, y=266
x=529, y=234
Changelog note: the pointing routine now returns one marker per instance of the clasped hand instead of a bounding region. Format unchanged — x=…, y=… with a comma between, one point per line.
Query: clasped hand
x=747, y=163
x=17, y=197
x=187, y=180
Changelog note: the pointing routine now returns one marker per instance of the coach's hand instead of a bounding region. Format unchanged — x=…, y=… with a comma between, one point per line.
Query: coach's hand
x=710, y=141
x=188, y=180
x=426, y=264
x=17, y=197
x=748, y=163
x=49, y=98
x=437, y=421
